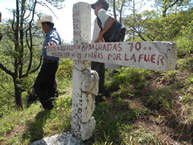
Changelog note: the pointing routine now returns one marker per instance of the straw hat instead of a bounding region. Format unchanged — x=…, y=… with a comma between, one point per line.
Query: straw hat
x=45, y=18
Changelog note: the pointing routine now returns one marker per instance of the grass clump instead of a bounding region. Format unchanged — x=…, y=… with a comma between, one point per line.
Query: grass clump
x=127, y=81
x=141, y=135
x=47, y=123
x=116, y=124
x=110, y=120
x=160, y=98
x=24, y=127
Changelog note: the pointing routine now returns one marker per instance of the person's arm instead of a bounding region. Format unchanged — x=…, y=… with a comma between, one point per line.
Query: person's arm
x=54, y=39
x=110, y=22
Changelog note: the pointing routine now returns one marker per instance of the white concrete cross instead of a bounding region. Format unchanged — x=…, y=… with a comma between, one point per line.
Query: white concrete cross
x=159, y=56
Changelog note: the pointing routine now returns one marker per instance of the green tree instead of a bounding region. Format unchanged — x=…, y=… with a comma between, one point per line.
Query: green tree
x=20, y=42
x=118, y=7
x=126, y=8
x=151, y=26
x=122, y=8
x=172, y=5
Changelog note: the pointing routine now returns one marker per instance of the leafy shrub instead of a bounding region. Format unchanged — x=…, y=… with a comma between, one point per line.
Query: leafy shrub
x=184, y=40
x=170, y=76
x=129, y=80
x=64, y=74
x=160, y=98
x=65, y=68
x=4, y=110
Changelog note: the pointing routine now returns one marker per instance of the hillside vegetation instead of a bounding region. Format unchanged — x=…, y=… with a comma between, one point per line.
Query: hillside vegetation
x=140, y=107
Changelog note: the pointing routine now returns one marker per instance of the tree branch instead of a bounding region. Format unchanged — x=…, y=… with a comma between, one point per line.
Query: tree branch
x=120, y=19
x=44, y=4
x=169, y=6
x=139, y=33
x=114, y=9
x=141, y=36
x=25, y=75
x=30, y=35
x=6, y=70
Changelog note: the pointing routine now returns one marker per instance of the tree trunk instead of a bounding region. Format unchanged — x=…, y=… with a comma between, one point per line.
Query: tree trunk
x=164, y=10
x=18, y=94
x=121, y=10
x=114, y=9
x=134, y=18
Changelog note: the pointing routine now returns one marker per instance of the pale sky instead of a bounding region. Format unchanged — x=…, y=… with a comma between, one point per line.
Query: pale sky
x=64, y=22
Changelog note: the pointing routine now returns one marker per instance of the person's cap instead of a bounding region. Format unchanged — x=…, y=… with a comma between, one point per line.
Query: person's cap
x=45, y=18
x=103, y=2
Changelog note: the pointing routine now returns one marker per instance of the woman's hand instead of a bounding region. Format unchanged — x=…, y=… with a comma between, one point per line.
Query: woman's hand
x=99, y=39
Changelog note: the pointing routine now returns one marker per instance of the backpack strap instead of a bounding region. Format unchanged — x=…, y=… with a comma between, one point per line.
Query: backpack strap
x=99, y=23
x=116, y=32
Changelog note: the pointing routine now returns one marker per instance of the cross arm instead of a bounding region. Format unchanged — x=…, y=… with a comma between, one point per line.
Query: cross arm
x=158, y=55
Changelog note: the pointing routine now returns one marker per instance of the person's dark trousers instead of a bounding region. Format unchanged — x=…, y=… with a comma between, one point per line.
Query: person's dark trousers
x=45, y=84
x=100, y=69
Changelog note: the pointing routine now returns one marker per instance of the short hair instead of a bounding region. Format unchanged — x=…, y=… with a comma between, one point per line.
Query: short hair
x=51, y=25
x=103, y=3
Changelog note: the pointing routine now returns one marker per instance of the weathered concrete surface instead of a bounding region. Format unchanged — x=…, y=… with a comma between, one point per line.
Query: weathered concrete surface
x=87, y=129
x=58, y=139
x=81, y=23
x=85, y=81
x=160, y=56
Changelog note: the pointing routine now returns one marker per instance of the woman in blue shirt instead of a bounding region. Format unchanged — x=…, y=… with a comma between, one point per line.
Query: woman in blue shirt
x=100, y=8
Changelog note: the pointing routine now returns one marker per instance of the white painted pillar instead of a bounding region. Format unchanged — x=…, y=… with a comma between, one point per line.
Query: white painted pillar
x=85, y=81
